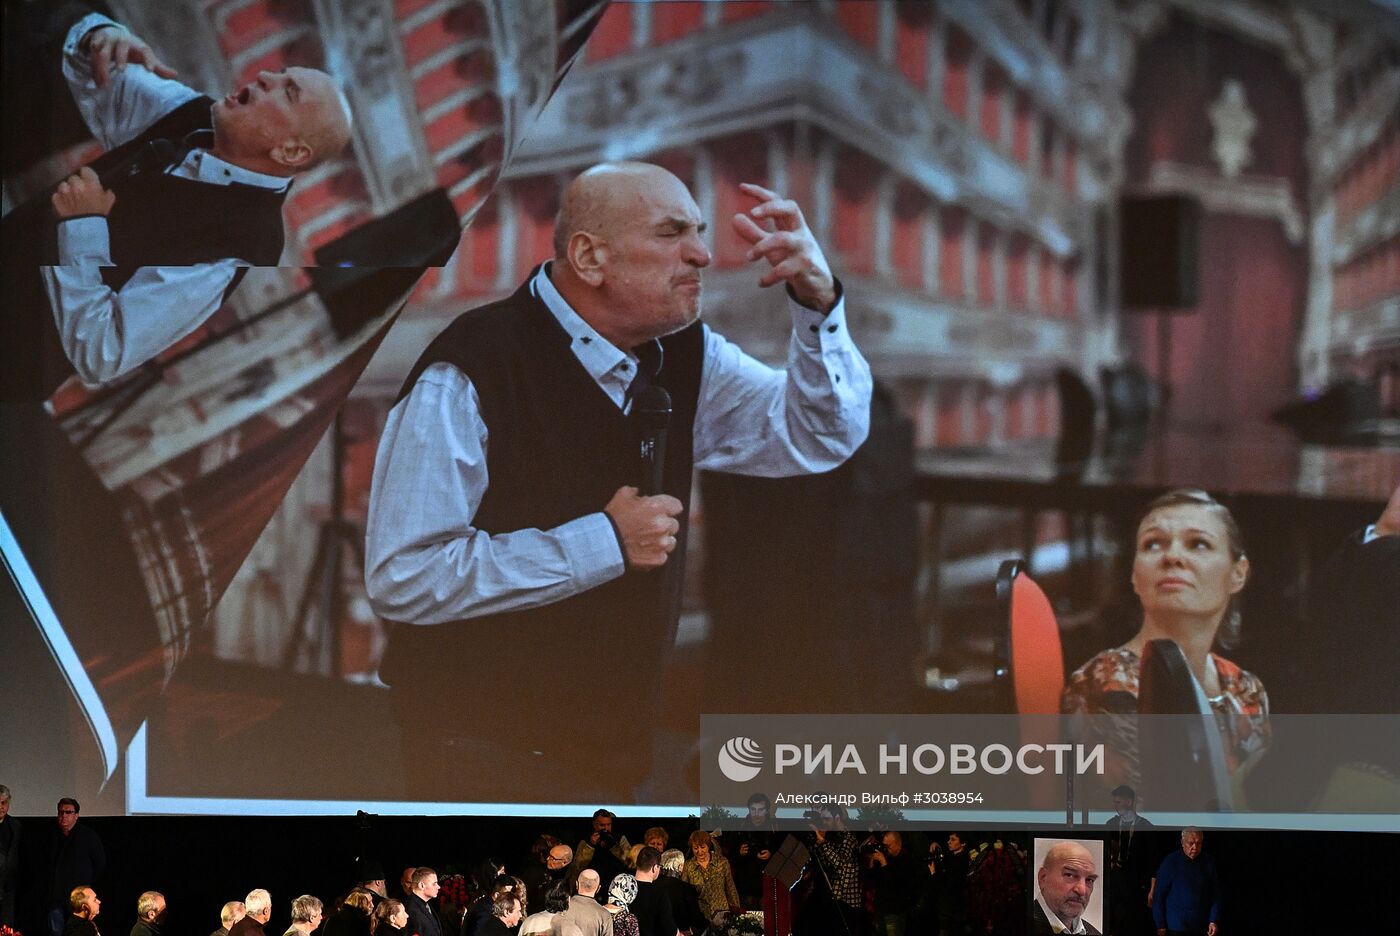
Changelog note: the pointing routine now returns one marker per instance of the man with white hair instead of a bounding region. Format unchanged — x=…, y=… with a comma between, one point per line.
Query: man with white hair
x=258, y=910
x=584, y=909
x=684, y=898
x=1186, y=897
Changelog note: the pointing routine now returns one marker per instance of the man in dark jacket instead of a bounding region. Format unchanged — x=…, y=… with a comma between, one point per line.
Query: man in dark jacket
x=681, y=894
x=84, y=907
x=422, y=915
x=258, y=907
x=652, y=906
x=74, y=857
x=150, y=914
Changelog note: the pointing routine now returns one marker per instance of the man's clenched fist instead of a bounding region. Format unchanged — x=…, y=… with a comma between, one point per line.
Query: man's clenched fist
x=648, y=526
x=82, y=194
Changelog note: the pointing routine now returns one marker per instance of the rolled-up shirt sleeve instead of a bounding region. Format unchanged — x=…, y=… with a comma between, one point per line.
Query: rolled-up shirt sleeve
x=425, y=561
x=810, y=417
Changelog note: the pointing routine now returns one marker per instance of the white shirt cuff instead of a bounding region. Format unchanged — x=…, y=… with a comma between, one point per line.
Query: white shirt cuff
x=810, y=325
x=592, y=547
x=84, y=240
x=84, y=26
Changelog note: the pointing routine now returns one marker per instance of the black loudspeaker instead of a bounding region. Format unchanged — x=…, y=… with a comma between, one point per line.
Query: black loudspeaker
x=359, y=274
x=1159, y=245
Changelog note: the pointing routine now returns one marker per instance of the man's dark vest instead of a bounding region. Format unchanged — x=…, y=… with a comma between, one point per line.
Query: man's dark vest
x=558, y=448
x=157, y=220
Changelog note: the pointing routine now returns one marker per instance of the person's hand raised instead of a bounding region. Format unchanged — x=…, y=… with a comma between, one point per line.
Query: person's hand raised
x=110, y=48
x=781, y=236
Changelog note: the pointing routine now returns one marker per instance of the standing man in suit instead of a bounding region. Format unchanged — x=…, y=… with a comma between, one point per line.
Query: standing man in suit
x=422, y=915
x=9, y=859
x=1065, y=882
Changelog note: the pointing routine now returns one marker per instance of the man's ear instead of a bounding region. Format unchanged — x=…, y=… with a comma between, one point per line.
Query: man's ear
x=292, y=153
x=588, y=255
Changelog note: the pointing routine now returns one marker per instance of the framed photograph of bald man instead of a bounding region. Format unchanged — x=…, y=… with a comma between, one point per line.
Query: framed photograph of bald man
x=1067, y=886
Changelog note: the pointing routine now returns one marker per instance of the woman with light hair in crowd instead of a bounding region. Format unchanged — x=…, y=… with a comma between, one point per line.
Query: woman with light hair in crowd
x=306, y=915
x=390, y=918
x=352, y=918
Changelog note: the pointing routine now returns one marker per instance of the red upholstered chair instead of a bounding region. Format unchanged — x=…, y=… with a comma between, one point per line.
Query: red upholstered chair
x=1030, y=665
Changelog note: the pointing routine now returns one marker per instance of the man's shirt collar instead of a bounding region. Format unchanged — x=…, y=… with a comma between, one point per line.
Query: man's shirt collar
x=603, y=360
x=203, y=166
x=1054, y=921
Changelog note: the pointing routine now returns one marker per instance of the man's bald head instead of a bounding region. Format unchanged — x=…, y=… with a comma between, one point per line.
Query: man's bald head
x=628, y=250
x=283, y=122
x=1066, y=879
x=588, y=882
x=598, y=197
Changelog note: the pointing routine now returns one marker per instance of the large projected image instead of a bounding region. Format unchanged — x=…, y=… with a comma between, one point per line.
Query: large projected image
x=438, y=405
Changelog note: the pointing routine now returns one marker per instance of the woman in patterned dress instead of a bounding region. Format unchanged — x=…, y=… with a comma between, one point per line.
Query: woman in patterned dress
x=1188, y=566
x=709, y=871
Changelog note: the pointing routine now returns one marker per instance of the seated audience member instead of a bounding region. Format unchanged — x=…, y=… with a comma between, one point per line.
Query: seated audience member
x=230, y=914
x=709, y=871
x=150, y=914
x=352, y=918
x=390, y=918
x=257, y=911
x=621, y=893
x=1189, y=563
x=307, y=912
x=84, y=907
x=555, y=902
x=684, y=898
